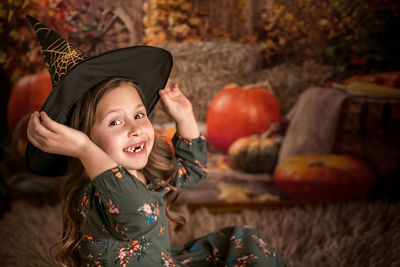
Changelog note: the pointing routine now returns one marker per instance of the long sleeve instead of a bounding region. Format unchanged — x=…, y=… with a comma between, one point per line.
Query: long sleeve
x=124, y=222
x=191, y=155
x=126, y=208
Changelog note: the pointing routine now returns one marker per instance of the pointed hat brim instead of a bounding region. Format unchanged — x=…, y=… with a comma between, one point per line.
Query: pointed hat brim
x=149, y=67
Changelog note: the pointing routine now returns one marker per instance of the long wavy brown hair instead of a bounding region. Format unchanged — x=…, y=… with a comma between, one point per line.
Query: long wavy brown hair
x=161, y=165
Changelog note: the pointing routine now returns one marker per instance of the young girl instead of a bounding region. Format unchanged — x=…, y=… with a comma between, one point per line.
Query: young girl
x=122, y=177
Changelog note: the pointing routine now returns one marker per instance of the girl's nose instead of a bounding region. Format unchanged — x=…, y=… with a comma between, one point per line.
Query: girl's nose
x=134, y=130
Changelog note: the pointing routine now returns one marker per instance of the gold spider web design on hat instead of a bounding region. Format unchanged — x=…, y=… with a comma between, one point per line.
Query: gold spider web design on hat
x=61, y=57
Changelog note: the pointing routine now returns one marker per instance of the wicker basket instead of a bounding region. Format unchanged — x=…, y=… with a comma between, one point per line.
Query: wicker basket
x=369, y=128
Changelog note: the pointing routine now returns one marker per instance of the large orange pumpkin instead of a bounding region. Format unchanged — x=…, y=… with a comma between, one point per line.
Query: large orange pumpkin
x=238, y=112
x=27, y=95
x=324, y=177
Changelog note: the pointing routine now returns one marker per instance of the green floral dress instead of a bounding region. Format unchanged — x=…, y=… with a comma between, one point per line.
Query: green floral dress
x=124, y=222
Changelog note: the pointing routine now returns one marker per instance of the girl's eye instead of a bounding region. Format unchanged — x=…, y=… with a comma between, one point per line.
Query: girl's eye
x=139, y=116
x=115, y=122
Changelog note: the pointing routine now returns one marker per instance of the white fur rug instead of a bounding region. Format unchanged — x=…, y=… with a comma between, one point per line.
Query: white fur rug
x=362, y=233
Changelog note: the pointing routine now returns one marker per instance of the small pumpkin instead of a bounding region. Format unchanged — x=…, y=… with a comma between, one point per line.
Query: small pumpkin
x=27, y=95
x=240, y=111
x=312, y=177
x=255, y=153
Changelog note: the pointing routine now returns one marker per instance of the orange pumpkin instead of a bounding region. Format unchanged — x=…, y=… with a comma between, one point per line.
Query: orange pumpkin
x=238, y=112
x=324, y=177
x=391, y=79
x=27, y=95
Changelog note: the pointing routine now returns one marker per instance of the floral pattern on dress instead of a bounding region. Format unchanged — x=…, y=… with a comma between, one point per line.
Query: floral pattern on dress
x=117, y=172
x=98, y=198
x=200, y=166
x=84, y=203
x=183, y=173
x=150, y=211
x=264, y=246
x=216, y=257
x=112, y=208
x=242, y=261
x=186, y=261
x=182, y=259
x=185, y=140
x=89, y=238
x=133, y=250
x=237, y=241
x=100, y=261
x=157, y=186
x=181, y=169
x=121, y=229
x=166, y=260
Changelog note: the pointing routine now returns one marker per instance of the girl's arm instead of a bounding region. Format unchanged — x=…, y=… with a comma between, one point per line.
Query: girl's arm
x=191, y=155
x=56, y=138
x=189, y=146
x=177, y=106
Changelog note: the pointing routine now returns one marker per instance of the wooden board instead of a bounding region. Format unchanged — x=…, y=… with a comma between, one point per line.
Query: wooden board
x=228, y=189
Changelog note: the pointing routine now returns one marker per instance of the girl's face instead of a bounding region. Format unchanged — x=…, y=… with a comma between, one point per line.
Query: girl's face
x=122, y=128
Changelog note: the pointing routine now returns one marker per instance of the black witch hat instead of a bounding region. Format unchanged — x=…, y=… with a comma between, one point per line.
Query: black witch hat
x=73, y=73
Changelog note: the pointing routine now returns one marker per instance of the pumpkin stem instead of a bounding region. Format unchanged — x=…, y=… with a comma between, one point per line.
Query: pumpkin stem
x=339, y=86
x=273, y=127
x=265, y=85
x=231, y=85
x=252, y=86
x=317, y=164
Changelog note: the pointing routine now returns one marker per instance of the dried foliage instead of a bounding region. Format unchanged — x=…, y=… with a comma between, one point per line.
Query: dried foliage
x=19, y=52
x=170, y=20
x=345, y=33
x=334, y=31
x=94, y=25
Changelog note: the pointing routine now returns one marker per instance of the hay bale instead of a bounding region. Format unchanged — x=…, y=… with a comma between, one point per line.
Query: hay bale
x=289, y=81
x=203, y=69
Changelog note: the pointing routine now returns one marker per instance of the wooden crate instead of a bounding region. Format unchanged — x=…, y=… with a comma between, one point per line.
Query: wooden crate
x=369, y=128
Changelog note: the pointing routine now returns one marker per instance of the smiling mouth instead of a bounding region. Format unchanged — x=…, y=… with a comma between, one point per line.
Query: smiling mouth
x=134, y=148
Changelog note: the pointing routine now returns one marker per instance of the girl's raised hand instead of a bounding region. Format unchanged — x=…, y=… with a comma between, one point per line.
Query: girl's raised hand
x=53, y=137
x=56, y=138
x=176, y=105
